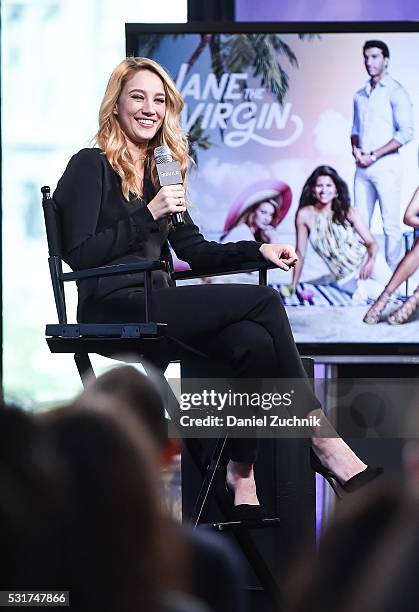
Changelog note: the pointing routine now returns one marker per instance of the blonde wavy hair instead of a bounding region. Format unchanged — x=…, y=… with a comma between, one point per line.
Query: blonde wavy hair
x=111, y=138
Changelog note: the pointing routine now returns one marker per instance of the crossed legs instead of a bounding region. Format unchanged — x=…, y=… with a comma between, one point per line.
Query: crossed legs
x=247, y=326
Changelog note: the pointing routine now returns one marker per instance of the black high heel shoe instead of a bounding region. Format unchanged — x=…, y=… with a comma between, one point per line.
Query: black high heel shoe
x=353, y=484
x=247, y=512
x=243, y=512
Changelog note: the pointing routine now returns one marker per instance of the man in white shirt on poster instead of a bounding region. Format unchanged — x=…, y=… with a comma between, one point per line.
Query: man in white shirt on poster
x=382, y=123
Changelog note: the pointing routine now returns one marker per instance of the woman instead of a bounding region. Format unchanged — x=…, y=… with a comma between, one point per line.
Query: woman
x=338, y=234
x=257, y=212
x=408, y=266
x=113, y=212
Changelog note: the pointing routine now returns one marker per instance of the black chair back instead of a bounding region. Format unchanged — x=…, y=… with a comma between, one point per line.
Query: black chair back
x=52, y=223
x=52, y=226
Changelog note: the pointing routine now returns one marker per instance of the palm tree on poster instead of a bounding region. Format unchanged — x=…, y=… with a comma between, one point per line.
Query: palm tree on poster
x=259, y=53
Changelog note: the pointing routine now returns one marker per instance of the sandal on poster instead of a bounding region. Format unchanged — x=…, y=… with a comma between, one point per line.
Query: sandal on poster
x=405, y=311
x=373, y=315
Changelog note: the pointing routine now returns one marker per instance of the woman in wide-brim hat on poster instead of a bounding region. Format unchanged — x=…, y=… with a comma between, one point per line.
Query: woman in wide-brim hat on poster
x=257, y=211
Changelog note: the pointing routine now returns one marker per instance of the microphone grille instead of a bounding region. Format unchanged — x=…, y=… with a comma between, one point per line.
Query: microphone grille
x=162, y=155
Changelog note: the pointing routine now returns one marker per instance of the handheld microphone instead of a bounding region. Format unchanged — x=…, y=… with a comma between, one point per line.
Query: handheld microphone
x=169, y=174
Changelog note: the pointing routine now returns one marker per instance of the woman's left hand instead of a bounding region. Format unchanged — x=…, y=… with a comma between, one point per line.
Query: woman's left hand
x=366, y=270
x=282, y=255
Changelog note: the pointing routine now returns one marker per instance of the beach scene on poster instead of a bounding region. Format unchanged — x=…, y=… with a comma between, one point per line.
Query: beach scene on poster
x=310, y=140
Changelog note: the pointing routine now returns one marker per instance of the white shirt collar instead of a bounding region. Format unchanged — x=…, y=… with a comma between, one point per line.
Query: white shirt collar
x=383, y=82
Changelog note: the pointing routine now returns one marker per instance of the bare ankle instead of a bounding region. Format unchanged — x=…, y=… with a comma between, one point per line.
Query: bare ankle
x=241, y=480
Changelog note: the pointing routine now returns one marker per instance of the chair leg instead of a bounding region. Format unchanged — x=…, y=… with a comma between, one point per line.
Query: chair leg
x=252, y=554
x=208, y=469
x=207, y=486
x=84, y=367
x=259, y=566
x=193, y=446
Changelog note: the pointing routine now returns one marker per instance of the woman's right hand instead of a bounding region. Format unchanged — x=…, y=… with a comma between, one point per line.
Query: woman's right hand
x=282, y=255
x=169, y=200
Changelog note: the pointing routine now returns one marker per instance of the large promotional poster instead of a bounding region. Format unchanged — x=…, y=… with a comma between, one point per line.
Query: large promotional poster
x=292, y=144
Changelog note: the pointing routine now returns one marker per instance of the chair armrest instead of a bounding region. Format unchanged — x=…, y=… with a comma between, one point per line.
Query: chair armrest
x=246, y=266
x=145, y=266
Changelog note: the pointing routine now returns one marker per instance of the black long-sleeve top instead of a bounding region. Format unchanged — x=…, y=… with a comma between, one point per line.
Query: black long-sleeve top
x=100, y=227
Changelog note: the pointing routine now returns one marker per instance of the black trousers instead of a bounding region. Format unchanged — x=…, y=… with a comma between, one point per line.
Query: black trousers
x=245, y=325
